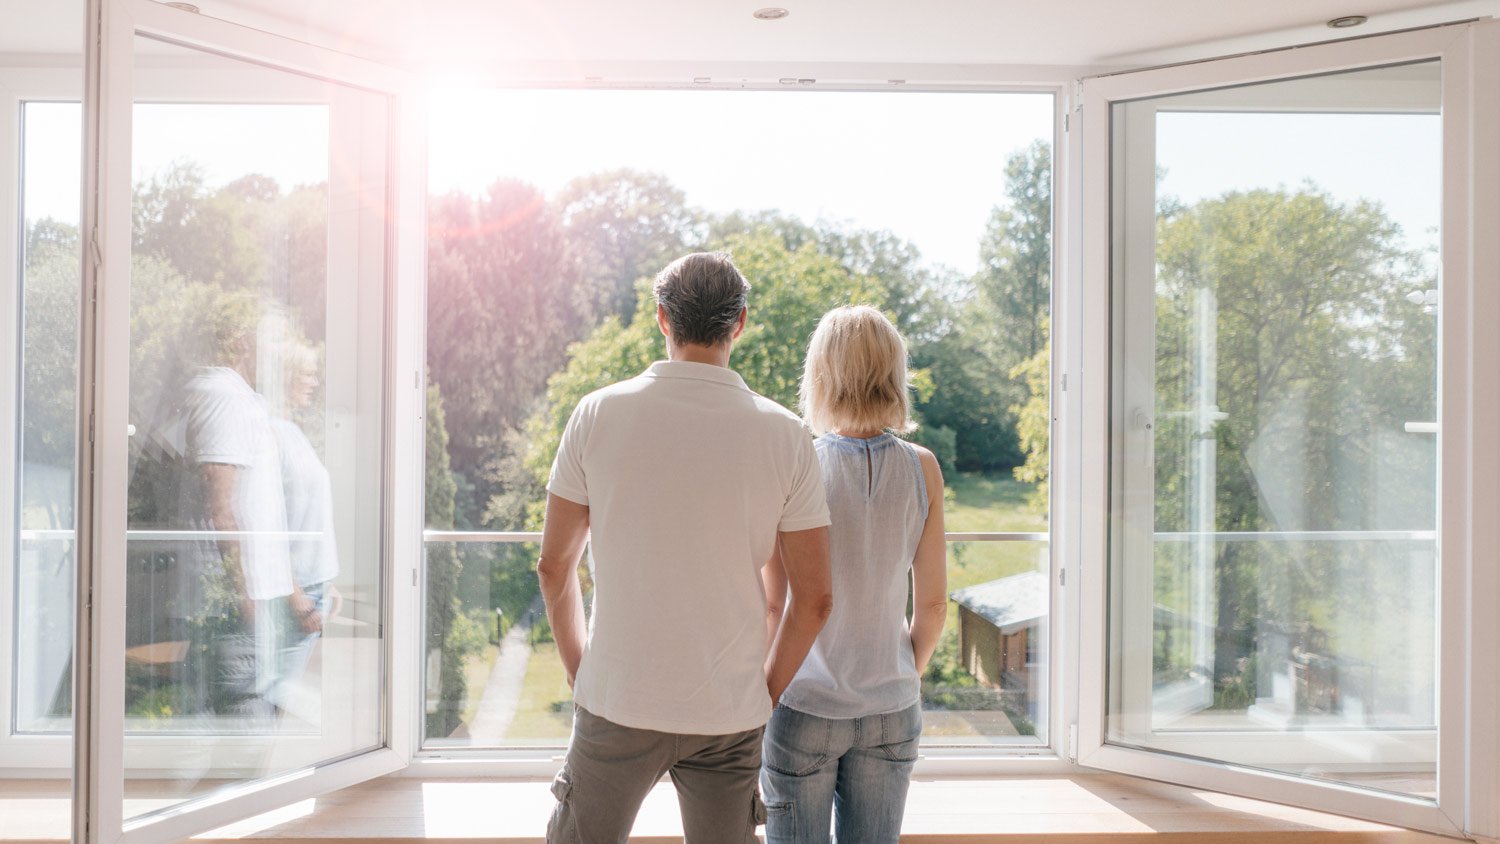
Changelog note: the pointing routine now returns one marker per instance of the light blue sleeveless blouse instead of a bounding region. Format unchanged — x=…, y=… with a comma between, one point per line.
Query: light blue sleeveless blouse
x=862, y=662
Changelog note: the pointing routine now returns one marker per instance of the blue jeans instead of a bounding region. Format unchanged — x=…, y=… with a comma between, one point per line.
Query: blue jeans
x=852, y=773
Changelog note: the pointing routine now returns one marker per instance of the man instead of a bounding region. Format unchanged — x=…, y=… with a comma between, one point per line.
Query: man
x=683, y=481
x=230, y=439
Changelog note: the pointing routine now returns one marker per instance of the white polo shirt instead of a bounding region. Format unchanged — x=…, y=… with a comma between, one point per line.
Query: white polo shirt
x=227, y=423
x=688, y=476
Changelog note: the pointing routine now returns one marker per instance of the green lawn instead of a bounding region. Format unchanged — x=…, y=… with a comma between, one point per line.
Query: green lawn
x=545, y=711
x=993, y=502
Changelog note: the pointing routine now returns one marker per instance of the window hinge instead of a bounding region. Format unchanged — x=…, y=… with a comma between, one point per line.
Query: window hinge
x=1066, y=117
x=1062, y=577
x=1072, y=742
x=414, y=577
x=1064, y=380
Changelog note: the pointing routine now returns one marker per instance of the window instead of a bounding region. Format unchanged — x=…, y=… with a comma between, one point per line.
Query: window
x=550, y=213
x=41, y=127
x=1275, y=563
x=254, y=551
x=49, y=300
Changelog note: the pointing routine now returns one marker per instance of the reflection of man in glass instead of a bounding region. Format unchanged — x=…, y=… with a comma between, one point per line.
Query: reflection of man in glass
x=309, y=518
x=231, y=442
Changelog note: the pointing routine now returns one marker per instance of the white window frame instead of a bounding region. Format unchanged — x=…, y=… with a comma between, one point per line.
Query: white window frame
x=1146, y=707
x=1011, y=758
x=99, y=780
x=44, y=754
x=1468, y=463
x=19, y=86
x=1080, y=443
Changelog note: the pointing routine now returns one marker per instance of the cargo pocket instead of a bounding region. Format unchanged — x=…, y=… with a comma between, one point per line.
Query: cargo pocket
x=562, y=827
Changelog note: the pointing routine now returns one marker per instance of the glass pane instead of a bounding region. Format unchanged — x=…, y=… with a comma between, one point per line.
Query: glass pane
x=1275, y=565
x=494, y=677
x=253, y=640
x=988, y=684
x=41, y=139
x=545, y=233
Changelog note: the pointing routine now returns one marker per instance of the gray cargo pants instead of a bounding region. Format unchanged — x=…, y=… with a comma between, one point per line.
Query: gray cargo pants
x=610, y=768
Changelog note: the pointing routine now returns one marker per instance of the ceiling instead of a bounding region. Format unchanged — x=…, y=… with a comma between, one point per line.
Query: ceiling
x=436, y=33
x=577, y=38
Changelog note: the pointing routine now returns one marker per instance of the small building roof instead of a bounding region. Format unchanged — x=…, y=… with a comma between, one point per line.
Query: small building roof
x=1010, y=603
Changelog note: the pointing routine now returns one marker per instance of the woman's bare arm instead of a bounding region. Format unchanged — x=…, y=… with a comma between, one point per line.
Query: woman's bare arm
x=929, y=569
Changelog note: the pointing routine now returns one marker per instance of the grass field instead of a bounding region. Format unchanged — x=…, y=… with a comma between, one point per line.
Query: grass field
x=545, y=710
x=995, y=502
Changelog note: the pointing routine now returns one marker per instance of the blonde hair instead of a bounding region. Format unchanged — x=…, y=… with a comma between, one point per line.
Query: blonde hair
x=855, y=375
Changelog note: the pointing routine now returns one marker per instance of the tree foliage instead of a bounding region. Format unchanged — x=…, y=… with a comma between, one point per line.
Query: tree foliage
x=1318, y=360
x=504, y=300
x=1014, y=283
x=623, y=226
x=1034, y=425
x=790, y=291
x=998, y=324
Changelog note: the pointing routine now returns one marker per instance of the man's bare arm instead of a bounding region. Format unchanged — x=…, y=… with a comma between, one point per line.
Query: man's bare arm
x=564, y=533
x=773, y=578
x=804, y=558
x=221, y=481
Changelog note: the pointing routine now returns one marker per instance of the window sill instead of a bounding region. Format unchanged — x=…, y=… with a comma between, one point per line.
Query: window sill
x=1057, y=809
x=1070, y=809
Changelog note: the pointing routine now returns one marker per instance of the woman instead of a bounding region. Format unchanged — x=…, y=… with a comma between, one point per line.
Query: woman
x=313, y=549
x=845, y=732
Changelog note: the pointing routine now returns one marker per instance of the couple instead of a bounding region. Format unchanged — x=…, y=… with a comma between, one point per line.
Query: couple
x=744, y=572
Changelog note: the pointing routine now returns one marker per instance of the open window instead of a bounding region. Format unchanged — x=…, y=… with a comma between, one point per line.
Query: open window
x=243, y=528
x=1280, y=241
x=545, y=234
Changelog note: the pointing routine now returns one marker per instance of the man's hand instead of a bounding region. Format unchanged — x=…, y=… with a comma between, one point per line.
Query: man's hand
x=806, y=591
x=305, y=610
x=564, y=532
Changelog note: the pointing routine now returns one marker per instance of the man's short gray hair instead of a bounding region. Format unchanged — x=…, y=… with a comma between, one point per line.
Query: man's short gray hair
x=702, y=295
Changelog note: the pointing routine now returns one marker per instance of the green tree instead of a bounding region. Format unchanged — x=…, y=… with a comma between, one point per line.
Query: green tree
x=1034, y=425
x=445, y=620
x=50, y=295
x=790, y=291
x=1014, y=283
x=1318, y=360
x=622, y=226
x=999, y=326
x=504, y=301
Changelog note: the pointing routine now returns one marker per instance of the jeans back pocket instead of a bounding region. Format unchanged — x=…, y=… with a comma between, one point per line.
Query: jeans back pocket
x=796, y=743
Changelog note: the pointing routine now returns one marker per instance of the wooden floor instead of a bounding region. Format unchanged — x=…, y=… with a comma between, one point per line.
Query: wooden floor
x=1079, y=809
